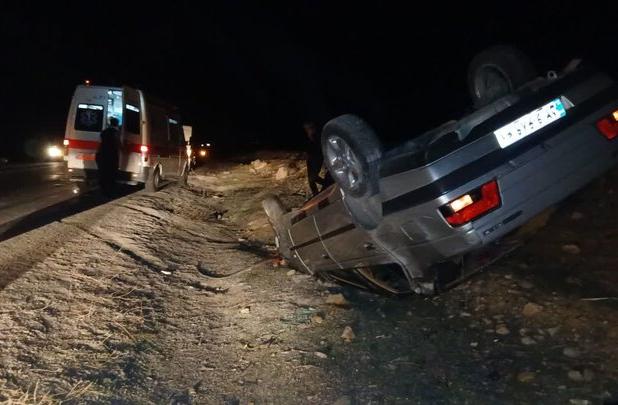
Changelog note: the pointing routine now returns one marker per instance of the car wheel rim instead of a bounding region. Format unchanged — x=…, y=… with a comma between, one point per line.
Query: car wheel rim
x=344, y=163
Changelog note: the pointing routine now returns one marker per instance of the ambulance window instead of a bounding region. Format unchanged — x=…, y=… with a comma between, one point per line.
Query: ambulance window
x=114, y=105
x=131, y=119
x=89, y=117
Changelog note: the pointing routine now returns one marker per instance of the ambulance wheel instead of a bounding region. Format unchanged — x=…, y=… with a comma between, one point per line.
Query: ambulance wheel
x=154, y=180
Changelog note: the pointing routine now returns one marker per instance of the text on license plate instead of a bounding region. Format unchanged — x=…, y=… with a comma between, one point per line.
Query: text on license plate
x=530, y=123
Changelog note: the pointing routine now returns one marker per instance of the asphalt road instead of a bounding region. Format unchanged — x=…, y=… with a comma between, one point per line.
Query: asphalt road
x=28, y=188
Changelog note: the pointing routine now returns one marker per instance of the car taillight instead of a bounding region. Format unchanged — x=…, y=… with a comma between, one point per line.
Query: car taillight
x=608, y=126
x=472, y=205
x=143, y=149
x=65, y=142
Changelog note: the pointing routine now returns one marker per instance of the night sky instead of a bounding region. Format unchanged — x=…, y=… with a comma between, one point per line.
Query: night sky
x=246, y=72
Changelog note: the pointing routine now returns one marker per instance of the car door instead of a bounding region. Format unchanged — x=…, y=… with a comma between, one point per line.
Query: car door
x=306, y=242
x=132, y=130
x=346, y=244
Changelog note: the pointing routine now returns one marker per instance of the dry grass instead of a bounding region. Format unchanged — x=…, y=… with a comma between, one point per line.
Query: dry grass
x=79, y=390
x=34, y=396
x=29, y=397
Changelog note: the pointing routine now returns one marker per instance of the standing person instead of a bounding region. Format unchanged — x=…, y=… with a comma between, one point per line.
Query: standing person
x=315, y=159
x=107, y=157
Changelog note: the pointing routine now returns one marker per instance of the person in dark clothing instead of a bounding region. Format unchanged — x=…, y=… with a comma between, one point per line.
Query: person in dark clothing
x=315, y=159
x=107, y=157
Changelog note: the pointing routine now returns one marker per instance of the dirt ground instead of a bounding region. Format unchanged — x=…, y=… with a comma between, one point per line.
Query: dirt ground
x=172, y=297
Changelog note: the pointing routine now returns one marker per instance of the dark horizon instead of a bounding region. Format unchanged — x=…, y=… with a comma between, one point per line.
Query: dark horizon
x=240, y=72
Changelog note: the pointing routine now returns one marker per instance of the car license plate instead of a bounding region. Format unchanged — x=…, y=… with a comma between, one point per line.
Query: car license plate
x=530, y=123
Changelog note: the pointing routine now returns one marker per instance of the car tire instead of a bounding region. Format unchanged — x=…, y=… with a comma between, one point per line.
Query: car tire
x=496, y=72
x=153, y=183
x=352, y=153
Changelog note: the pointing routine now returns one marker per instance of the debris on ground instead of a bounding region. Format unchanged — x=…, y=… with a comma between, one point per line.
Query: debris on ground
x=581, y=376
x=531, y=309
x=348, y=334
x=337, y=299
x=526, y=376
x=317, y=319
x=571, y=352
x=282, y=173
x=571, y=249
x=259, y=165
x=527, y=341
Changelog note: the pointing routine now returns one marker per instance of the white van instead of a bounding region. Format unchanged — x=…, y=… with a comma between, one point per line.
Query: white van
x=153, y=146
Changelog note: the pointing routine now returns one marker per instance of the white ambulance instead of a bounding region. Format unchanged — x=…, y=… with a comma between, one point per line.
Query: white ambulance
x=153, y=147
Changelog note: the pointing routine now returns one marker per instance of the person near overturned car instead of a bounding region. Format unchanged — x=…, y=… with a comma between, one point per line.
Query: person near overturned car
x=315, y=159
x=107, y=157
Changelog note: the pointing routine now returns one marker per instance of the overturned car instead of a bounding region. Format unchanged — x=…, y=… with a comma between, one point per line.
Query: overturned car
x=408, y=218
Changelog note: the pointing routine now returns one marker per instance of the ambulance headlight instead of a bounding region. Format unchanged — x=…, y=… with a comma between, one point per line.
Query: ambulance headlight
x=54, y=152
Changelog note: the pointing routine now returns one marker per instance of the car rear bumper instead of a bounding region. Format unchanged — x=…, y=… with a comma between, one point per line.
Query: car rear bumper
x=418, y=236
